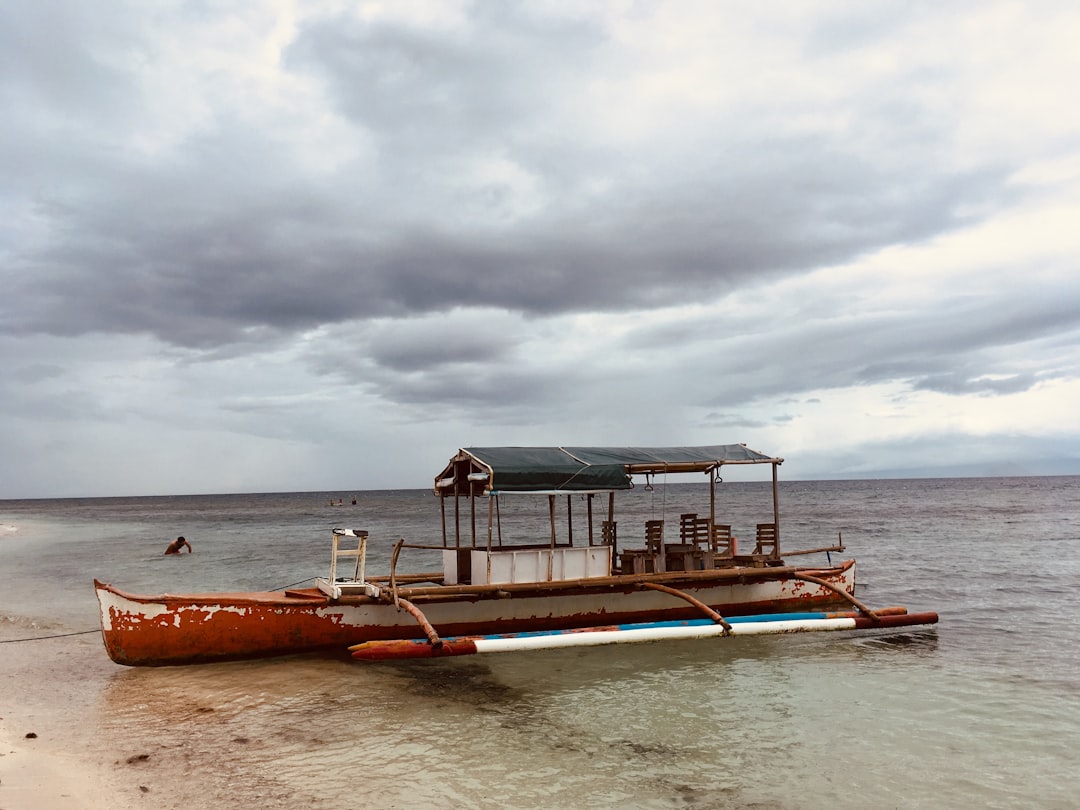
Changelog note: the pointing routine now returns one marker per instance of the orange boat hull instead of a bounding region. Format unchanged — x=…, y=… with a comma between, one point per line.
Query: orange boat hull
x=168, y=630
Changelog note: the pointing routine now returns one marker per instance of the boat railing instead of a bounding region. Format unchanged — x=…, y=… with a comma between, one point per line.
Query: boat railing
x=701, y=546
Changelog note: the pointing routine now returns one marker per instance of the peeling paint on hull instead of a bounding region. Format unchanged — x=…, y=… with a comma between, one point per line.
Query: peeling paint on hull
x=184, y=629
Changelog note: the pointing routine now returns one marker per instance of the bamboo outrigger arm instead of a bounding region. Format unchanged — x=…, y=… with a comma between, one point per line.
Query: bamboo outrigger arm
x=838, y=590
x=708, y=611
x=422, y=620
x=393, y=569
x=406, y=605
x=824, y=549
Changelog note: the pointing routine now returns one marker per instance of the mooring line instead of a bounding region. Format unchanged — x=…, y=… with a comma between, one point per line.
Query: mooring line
x=45, y=638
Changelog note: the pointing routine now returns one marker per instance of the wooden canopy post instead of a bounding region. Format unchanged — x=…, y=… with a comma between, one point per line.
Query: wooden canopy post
x=712, y=494
x=457, y=518
x=442, y=511
x=588, y=511
x=776, y=507
x=472, y=514
x=611, y=522
x=570, y=518
x=551, y=517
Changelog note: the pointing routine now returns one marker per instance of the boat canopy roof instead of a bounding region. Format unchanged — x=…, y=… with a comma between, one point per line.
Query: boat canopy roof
x=487, y=470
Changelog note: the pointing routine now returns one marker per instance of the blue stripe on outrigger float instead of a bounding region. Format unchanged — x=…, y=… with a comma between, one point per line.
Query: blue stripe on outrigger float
x=762, y=617
x=630, y=633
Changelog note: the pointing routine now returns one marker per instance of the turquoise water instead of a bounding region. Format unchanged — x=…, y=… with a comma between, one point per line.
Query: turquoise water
x=983, y=711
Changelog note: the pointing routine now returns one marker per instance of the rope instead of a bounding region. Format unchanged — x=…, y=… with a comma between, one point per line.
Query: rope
x=98, y=629
x=652, y=499
x=45, y=638
x=286, y=587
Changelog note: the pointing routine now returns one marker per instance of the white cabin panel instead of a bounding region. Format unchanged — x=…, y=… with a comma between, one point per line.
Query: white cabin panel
x=449, y=563
x=539, y=564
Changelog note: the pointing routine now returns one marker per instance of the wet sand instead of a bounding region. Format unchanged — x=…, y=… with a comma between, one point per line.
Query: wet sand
x=38, y=774
x=52, y=752
x=78, y=732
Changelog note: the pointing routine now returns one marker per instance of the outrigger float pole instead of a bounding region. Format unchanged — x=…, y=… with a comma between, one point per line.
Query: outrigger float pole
x=636, y=633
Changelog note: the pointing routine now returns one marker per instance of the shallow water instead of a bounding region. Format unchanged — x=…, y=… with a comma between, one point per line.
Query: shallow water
x=983, y=711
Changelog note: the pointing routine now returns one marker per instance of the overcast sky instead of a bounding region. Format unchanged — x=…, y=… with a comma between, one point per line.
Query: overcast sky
x=320, y=246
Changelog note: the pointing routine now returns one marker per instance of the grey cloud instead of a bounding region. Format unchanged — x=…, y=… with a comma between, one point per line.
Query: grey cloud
x=950, y=453
x=36, y=372
x=960, y=383
x=734, y=420
x=60, y=403
x=230, y=234
x=398, y=213
x=444, y=89
x=490, y=394
x=435, y=348
x=981, y=345
x=62, y=62
x=199, y=279
x=958, y=346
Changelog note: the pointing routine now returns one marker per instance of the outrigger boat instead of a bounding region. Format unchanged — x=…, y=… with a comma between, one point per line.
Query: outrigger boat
x=574, y=585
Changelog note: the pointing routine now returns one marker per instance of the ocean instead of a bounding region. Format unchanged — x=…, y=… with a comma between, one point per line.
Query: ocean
x=982, y=711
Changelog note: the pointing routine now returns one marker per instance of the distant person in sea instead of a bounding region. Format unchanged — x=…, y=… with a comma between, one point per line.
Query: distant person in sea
x=176, y=545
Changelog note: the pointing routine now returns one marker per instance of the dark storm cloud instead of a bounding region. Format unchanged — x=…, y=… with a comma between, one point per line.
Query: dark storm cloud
x=228, y=233
x=194, y=276
x=260, y=234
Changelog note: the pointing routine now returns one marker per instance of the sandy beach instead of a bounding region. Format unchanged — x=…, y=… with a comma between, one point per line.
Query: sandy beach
x=39, y=774
x=78, y=732
x=52, y=754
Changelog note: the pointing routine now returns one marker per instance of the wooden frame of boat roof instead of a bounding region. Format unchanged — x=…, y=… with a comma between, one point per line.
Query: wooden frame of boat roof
x=490, y=472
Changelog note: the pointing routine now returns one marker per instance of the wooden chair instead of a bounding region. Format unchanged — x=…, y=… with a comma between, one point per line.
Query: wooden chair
x=686, y=555
x=654, y=536
x=693, y=530
x=609, y=532
x=648, y=560
x=709, y=545
x=721, y=543
x=768, y=544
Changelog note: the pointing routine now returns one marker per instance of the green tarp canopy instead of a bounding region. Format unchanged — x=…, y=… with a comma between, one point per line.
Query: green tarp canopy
x=574, y=469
